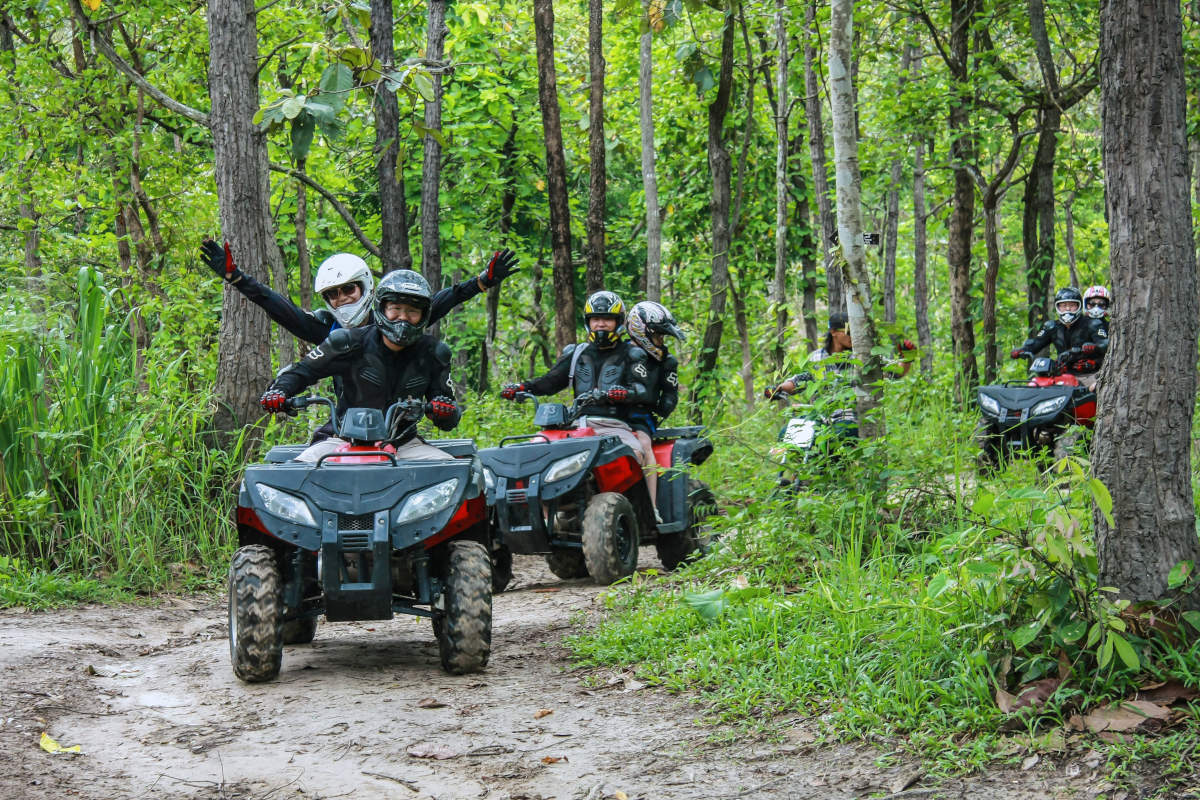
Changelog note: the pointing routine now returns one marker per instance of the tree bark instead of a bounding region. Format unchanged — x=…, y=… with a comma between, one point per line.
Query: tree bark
x=1142, y=449
x=649, y=176
x=920, y=245
x=808, y=250
x=1069, y=237
x=719, y=166
x=816, y=146
x=243, y=194
x=891, y=226
x=556, y=177
x=849, y=211
x=303, y=259
x=393, y=243
x=431, y=170
x=1037, y=222
x=594, y=277
x=962, y=217
x=779, y=284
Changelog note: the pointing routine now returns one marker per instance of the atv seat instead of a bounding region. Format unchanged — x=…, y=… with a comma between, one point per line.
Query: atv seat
x=284, y=452
x=685, y=432
x=459, y=448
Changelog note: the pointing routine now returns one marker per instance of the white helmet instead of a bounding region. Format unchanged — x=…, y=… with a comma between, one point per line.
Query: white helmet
x=338, y=270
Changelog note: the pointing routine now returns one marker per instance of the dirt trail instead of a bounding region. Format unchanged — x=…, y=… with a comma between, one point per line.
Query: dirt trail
x=148, y=695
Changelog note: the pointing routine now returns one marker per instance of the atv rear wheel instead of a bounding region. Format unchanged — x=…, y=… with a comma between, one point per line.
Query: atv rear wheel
x=610, y=537
x=255, y=614
x=502, y=568
x=692, y=542
x=464, y=626
x=299, y=631
x=567, y=564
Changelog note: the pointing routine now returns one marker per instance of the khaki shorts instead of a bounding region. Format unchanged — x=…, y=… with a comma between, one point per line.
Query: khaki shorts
x=414, y=449
x=606, y=426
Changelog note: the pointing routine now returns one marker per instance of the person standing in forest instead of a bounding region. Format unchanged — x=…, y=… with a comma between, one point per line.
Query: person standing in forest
x=345, y=283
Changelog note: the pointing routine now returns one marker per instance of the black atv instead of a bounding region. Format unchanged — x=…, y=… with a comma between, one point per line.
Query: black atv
x=581, y=499
x=360, y=535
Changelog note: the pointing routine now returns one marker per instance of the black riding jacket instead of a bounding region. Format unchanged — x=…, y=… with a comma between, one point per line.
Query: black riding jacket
x=373, y=376
x=597, y=368
x=662, y=382
x=1068, y=342
x=314, y=326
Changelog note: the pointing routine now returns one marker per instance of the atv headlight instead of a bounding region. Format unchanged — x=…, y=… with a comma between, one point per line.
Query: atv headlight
x=1048, y=406
x=566, y=467
x=427, y=502
x=285, y=506
x=989, y=404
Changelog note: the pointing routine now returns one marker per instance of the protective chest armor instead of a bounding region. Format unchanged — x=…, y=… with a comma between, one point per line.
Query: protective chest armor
x=597, y=369
x=380, y=380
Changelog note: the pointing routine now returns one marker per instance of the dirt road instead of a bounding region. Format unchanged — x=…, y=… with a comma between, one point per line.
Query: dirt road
x=365, y=712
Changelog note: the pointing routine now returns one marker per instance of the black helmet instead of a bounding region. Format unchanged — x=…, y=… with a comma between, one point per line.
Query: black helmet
x=1068, y=294
x=604, y=304
x=402, y=286
x=649, y=317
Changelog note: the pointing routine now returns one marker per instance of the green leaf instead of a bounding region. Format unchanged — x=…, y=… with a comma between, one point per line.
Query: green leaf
x=424, y=85
x=1125, y=651
x=1179, y=574
x=292, y=107
x=984, y=503
x=1025, y=634
x=704, y=80
x=336, y=81
x=1106, y=651
x=937, y=585
x=1073, y=631
x=708, y=605
x=302, y=135
x=1094, y=635
x=1102, y=499
x=1192, y=618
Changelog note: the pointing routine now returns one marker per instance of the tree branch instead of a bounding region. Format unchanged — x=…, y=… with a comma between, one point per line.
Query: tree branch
x=370, y=246
x=105, y=46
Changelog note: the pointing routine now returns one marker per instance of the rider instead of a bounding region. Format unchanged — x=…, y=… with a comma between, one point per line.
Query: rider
x=1081, y=341
x=1097, y=302
x=649, y=324
x=601, y=374
x=345, y=283
x=380, y=363
x=837, y=340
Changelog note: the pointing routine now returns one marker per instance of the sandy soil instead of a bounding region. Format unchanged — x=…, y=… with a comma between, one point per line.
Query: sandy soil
x=366, y=712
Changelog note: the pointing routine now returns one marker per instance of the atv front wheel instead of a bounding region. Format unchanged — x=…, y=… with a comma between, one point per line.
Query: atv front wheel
x=692, y=542
x=567, y=564
x=255, y=614
x=610, y=537
x=502, y=569
x=464, y=626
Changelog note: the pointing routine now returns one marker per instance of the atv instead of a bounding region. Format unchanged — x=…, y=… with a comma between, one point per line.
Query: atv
x=581, y=500
x=814, y=438
x=1033, y=415
x=360, y=535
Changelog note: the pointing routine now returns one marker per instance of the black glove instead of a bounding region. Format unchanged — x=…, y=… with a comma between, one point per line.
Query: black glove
x=273, y=401
x=503, y=264
x=509, y=391
x=592, y=398
x=617, y=394
x=220, y=261
x=441, y=408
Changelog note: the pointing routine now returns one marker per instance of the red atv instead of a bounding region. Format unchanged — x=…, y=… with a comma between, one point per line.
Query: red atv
x=1033, y=414
x=581, y=499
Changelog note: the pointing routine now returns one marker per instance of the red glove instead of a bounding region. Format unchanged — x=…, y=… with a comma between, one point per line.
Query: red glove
x=503, y=264
x=1016, y=353
x=1088, y=349
x=907, y=344
x=618, y=394
x=509, y=391
x=273, y=401
x=220, y=261
x=441, y=408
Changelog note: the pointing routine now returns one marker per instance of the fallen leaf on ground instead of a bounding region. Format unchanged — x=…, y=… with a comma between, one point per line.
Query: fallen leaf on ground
x=553, y=759
x=547, y=590
x=741, y=582
x=1030, y=696
x=1167, y=693
x=431, y=750
x=1076, y=723
x=430, y=702
x=1030, y=762
x=543, y=712
x=1130, y=715
x=50, y=746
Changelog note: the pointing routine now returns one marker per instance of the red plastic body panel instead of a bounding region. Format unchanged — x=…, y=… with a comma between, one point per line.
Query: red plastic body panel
x=555, y=435
x=1065, y=379
x=1085, y=413
x=470, y=513
x=349, y=458
x=617, y=475
x=663, y=453
x=248, y=517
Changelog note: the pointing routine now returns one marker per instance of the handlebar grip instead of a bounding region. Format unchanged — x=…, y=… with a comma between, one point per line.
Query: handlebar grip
x=298, y=402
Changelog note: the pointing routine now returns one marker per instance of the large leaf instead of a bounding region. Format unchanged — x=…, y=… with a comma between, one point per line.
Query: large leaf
x=708, y=605
x=1125, y=651
x=336, y=82
x=302, y=135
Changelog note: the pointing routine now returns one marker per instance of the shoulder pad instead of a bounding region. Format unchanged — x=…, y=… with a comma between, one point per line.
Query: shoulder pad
x=441, y=351
x=326, y=316
x=670, y=362
x=568, y=350
x=1049, y=326
x=340, y=340
x=637, y=353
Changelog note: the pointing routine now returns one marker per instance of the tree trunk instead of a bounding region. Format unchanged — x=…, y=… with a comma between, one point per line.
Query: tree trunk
x=393, y=244
x=808, y=250
x=921, y=259
x=816, y=146
x=1069, y=237
x=303, y=259
x=243, y=194
x=1037, y=222
x=991, y=236
x=597, y=174
x=556, y=177
x=779, y=284
x=849, y=212
x=1142, y=449
x=649, y=178
x=431, y=169
x=719, y=166
x=962, y=217
x=891, y=225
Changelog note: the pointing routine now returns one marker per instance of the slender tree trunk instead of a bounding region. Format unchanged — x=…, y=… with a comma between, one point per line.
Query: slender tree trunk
x=556, y=177
x=1069, y=236
x=649, y=178
x=962, y=217
x=135, y=179
x=1037, y=222
x=243, y=194
x=809, y=248
x=431, y=169
x=779, y=284
x=921, y=258
x=891, y=224
x=1147, y=397
x=303, y=258
x=597, y=174
x=991, y=236
x=393, y=244
x=816, y=146
x=849, y=211
x=719, y=166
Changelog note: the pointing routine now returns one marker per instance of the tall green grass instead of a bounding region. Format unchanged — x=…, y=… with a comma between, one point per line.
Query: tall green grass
x=98, y=478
